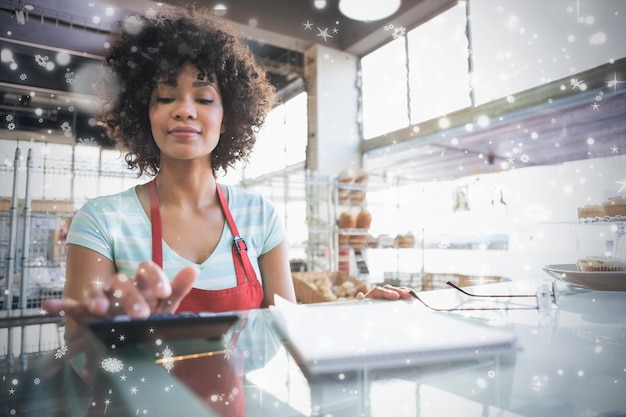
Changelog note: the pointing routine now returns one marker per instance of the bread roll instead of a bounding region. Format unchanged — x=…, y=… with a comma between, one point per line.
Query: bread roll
x=358, y=196
x=364, y=219
x=347, y=220
x=345, y=177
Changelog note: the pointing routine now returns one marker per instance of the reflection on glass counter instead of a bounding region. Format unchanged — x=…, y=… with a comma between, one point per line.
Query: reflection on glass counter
x=570, y=362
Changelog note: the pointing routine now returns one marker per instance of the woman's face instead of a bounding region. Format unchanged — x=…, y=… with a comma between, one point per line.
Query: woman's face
x=186, y=115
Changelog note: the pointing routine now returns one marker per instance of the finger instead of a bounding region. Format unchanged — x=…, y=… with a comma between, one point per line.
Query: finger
x=405, y=292
x=152, y=283
x=124, y=298
x=385, y=292
x=69, y=308
x=151, y=279
x=181, y=285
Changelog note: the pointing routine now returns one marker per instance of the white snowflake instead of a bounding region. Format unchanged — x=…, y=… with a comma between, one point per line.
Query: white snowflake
x=168, y=362
x=9, y=118
x=65, y=126
x=87, y=141
x=112, y=365
x=398, y=32
x=42, y=61
x=228, y=353
x=575, y=83
x=11, y=126
x=150, y=13
x=23, y=77
x=524, y=158
x=37, y=381
x=69, y=77
x=60, y=352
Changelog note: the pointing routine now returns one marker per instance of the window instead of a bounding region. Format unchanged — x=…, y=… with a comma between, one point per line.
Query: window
x=384, y=89
x=438, y=66
x=281, y=142
x=513, y=46
x=521, y=44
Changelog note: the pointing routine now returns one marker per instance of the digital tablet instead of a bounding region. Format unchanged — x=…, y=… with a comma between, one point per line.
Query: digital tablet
x=122, y=330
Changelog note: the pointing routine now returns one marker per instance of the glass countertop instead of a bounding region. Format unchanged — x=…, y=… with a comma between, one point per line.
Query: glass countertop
x=571, y=361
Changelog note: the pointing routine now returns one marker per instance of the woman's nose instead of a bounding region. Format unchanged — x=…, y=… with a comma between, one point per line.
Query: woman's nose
x=185, y=109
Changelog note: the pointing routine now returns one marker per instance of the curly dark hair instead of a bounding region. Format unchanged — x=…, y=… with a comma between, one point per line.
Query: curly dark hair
x=144, y=49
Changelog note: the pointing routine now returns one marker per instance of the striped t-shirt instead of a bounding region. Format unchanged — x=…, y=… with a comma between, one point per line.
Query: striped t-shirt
x=117, y=227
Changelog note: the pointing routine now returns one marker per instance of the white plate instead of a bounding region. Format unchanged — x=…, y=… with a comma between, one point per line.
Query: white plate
x=602, y=281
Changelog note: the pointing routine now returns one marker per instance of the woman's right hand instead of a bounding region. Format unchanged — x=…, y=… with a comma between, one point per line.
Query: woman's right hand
x=150, y=292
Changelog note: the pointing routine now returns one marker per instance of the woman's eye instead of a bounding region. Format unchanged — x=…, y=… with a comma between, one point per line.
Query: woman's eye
x=205, y=101
x=164, y=100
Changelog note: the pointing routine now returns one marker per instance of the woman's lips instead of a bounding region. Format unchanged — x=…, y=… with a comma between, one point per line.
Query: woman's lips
x=183, y=132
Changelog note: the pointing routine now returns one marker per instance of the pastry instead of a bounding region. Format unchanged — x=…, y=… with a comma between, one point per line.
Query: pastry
x=346, y=221
x=357, y=196
x=346, y=177
x=590, y=210
x=364, y=219
x=357, y=241
x=615, y=206
x=404, y=241
x=601, y=263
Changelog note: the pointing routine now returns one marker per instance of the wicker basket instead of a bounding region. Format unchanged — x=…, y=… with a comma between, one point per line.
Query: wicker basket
x=307, y=293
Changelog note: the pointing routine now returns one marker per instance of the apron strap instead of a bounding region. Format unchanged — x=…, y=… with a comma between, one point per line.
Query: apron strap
x=157, y=233
x=243, y=267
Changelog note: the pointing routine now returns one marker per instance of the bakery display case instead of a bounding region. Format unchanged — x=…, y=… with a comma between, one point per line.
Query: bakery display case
x=600, y=268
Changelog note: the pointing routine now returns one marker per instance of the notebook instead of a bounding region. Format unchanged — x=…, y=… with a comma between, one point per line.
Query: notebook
x=338, y=337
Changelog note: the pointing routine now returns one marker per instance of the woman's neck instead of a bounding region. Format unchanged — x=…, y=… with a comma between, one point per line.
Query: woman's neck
x=186, y=188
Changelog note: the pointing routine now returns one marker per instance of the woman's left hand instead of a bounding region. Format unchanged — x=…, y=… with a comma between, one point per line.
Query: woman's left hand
x=386, y=292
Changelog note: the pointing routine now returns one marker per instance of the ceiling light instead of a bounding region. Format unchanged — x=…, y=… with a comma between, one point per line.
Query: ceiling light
x=368, y=10
x=220, y=9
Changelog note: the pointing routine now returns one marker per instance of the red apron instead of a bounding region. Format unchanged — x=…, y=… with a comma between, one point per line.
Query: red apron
x=214, y=378
x=248, y=294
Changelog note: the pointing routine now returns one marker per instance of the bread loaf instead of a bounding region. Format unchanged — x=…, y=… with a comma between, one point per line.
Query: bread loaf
x=347, y=220
x=363, y=219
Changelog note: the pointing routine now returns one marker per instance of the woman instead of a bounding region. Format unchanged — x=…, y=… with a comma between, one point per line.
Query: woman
x=184, y=98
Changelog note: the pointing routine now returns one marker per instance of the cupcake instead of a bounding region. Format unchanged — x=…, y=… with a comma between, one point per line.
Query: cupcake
x=615, y=206
x=601, y=264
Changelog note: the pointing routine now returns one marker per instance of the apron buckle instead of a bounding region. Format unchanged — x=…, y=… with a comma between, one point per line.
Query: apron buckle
x=240, y=244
